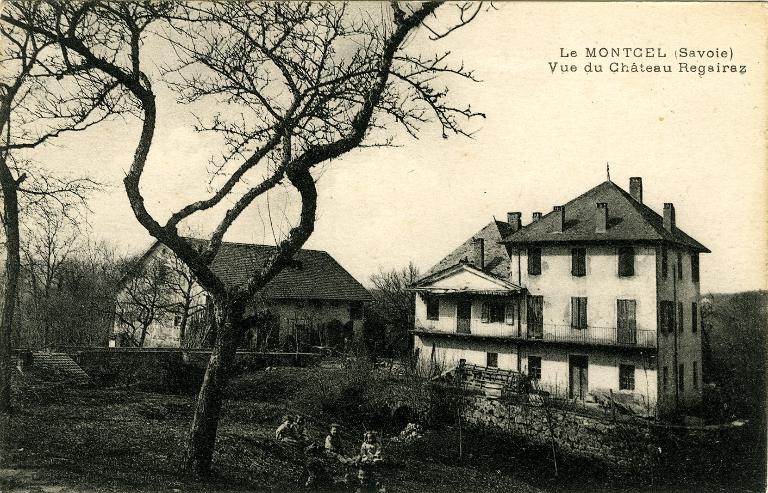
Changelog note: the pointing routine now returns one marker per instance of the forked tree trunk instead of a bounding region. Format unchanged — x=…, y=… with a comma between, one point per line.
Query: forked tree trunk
x=202, y=434
x=12, y=266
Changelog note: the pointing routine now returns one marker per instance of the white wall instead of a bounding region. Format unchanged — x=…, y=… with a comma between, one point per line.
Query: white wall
x=601, y=285
x=447, y=321
x=688, y=343
x=602, y=371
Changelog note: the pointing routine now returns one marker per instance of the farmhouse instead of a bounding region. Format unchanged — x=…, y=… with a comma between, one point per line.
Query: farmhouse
x=314, y=303
x=600, y=295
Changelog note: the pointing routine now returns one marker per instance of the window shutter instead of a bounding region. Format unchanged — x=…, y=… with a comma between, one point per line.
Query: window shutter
x=574, y=312
x=694, y=317
x=509, y=313
x=579, y=313
x=578, y=262
x=626, y=261
x=486, y=313
x=575, y=262
x=695, y=267
x=680, y=316
x=626, y=314
x=534, y=261
x=621, y=318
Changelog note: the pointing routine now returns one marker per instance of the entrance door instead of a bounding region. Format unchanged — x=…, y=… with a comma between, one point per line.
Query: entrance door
x=535, y=317
x=578, y=384
x=463, y=316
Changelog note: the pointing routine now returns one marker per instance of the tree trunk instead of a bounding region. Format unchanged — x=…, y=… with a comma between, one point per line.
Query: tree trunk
x=144, y=330
x=12, y=267
x=202, y=434
x=185, y=316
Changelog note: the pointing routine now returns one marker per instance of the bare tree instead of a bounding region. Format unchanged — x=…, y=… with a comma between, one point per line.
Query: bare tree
x=146, y=298
x=42, y=96
x=301, y=84
x=393, y=304
x=188, y=294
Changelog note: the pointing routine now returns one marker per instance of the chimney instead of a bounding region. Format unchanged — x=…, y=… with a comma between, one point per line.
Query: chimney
x=669, y=217
x=636, y=188
x=513, y=218
x=479, y=253
x=601, y=217
x=559, y=218
x=536, y=216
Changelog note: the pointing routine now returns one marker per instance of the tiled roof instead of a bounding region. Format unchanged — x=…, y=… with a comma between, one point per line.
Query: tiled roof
x=320, y=277
x=628, y=220
x=496, y=256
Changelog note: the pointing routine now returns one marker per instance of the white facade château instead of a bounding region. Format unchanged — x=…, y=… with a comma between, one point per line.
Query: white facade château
x=600, y=295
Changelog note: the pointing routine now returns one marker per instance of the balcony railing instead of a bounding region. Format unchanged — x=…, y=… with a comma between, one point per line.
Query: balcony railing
x=610, y=336
x=591, y=335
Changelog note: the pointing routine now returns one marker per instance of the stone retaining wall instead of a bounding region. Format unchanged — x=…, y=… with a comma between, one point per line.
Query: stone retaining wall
x=635, y=444
x=171, y=370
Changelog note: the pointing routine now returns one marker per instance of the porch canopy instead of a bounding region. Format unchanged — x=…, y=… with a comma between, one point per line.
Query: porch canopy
x=464, y=279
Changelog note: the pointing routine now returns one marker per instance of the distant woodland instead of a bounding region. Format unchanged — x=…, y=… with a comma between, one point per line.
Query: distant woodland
x=735, y=328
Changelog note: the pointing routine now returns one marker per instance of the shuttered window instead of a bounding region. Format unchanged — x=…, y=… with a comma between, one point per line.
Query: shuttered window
x=626, y=321
x=695, y=375
x=694, y=317
x=509, y=313
x=433, y=308
x=626, y=261
x=497, y=312
x=695, y=267
x=492, y=360
x=667, y=315
x=626, y=377
x=578, y=313
x=627, y=317
x=579, y=262
x=534, y=367
x=681, y=377
x=534, y=261
x=485, y=312
x=680, y=317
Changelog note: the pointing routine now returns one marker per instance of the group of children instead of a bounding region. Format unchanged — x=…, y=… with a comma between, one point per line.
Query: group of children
x=292, y=430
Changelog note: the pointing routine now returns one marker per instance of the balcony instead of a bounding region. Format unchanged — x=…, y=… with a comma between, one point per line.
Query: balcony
x=590, y=336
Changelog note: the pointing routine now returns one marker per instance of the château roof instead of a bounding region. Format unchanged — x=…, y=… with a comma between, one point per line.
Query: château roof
x=628, y=221
x=496, y=256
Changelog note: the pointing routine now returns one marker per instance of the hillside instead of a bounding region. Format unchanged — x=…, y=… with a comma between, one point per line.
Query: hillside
x=735, y=329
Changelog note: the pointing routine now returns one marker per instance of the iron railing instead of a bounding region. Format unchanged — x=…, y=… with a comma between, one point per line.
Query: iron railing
x=591, y=335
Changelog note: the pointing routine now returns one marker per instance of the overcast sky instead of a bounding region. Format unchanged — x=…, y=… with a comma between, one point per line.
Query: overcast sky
x=696, y=141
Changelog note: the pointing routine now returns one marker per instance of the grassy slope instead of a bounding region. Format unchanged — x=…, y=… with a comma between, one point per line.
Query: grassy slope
x=121, y=440
x=124, y=440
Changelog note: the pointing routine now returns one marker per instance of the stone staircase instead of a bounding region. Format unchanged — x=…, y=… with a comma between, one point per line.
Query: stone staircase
x=492, y=381
x=59, y=365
